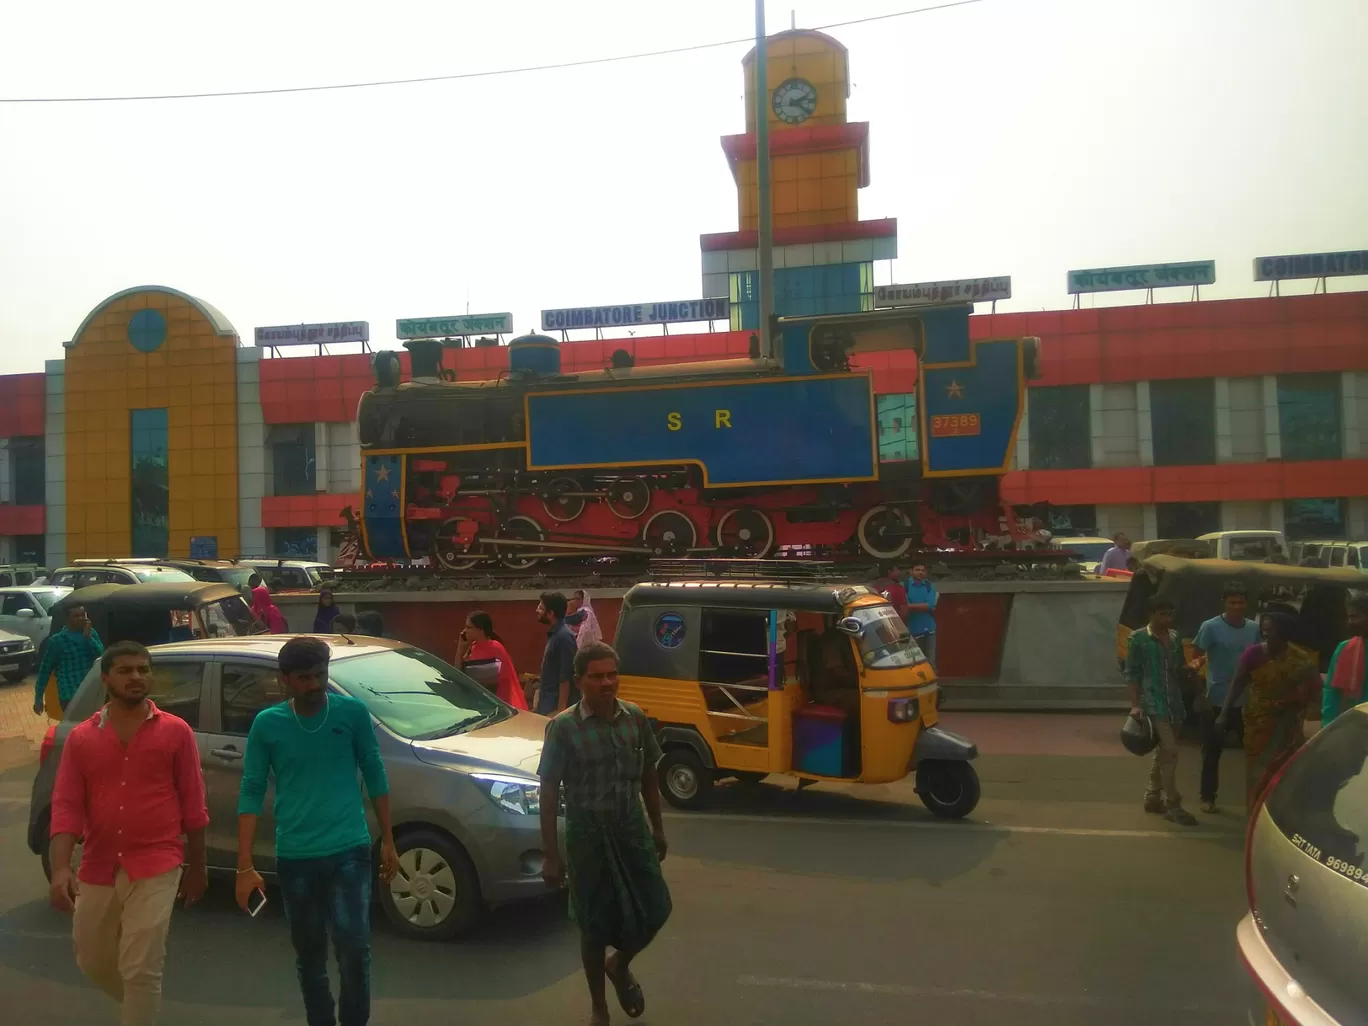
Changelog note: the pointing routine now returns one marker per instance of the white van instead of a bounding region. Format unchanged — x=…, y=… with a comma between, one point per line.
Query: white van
x=1245, y=546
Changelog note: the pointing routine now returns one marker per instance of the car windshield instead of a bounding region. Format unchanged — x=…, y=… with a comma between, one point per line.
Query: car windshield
x=237, y=576
x=315, y=575
x=48, y=599
x=1090, y=552
x=416, y=695
x=1251, y=549
x=160, y=574
x=885, y=642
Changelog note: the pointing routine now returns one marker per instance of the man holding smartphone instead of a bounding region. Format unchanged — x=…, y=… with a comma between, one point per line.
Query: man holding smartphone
x=314, y=744
x=71, y=652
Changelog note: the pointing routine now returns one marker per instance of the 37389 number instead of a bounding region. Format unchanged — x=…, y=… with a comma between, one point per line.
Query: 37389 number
x=948, y=425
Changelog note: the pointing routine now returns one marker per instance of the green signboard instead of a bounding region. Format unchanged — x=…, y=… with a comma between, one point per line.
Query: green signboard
x=1153, y=276
x=448, y=327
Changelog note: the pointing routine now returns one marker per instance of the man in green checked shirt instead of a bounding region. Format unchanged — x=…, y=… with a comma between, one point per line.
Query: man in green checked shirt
x=1153, y=671
x=604, y=753
x=72, y=651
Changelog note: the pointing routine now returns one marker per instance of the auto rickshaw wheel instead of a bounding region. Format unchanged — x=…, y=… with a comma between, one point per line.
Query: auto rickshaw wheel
x=948, y=787
x=684, y=780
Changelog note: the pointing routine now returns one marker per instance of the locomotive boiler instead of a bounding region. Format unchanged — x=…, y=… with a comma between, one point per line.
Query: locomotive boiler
x=789, y=450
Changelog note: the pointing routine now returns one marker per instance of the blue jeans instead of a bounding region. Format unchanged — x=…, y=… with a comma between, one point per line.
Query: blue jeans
x=330, y=892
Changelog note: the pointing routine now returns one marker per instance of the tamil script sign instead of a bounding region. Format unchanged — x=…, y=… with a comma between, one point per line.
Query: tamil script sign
x=1311, y=265
x=636, y=313
x=313, y=334
x=1156, y=276
x=447, y=327
x=963, y=290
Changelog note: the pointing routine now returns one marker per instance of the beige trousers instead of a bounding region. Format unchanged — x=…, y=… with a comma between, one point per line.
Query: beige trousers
x=120, y=934
x=1164, y=769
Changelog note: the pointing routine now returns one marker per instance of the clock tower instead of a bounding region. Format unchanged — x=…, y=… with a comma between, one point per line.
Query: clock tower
x=823, y=253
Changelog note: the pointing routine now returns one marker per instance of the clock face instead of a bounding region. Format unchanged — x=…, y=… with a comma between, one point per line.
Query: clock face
x=795, y=100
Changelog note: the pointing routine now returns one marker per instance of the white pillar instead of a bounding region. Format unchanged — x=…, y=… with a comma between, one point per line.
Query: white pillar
x=1151, y=520
x=1023, y=442
x=1272, y=423
x=1144, y=428
x=325, y=553
x=1224, y=447
x=54, y=451
x=1096, y=424
x=320, y=430
x=1276, y=521
x=1350, y=428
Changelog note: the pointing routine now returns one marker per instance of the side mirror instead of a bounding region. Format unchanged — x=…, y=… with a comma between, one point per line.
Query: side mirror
x=850, y=625
x=25, y=613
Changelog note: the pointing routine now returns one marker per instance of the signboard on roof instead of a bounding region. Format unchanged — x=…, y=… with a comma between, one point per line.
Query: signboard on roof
x=1311, y=265
x=961, y=290
x=636, y=313
x=1152, y=276
x=312, y=334
x=448, y=327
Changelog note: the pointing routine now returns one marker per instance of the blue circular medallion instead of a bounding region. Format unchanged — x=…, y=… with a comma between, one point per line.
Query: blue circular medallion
x=146, y=330
x=669, y=630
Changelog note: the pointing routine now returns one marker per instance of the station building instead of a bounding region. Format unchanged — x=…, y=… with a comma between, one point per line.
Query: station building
x=162, y=433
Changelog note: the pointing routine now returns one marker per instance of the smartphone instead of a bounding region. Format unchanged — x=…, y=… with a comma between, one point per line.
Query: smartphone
x=256, y=901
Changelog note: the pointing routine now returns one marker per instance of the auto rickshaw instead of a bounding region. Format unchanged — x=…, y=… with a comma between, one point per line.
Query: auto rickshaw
x=154, y=614
x=743, y=678
x=1317, y=597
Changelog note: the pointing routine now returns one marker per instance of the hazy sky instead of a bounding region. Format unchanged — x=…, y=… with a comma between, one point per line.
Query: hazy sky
x=1021, y=137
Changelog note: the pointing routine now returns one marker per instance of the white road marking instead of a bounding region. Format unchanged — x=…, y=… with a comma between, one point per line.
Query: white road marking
x=908, y=990
x=949, y=828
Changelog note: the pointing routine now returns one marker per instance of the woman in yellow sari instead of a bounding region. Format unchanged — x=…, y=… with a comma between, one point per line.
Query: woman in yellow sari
x=1282, y=681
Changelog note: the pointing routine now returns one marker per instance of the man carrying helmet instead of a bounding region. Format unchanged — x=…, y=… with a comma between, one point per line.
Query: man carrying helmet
x=1154, y=663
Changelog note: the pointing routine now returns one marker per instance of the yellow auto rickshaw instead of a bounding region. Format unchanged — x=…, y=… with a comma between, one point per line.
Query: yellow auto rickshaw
x=743, y=678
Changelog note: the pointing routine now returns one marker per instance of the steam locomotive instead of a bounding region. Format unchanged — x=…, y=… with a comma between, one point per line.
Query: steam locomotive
x=789, y=449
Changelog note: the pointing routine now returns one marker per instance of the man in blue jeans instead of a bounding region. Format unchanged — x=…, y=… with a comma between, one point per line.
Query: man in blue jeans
x=313, y=745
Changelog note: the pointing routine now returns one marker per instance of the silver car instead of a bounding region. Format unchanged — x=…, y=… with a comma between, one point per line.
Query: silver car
x=462, y=767
x=27, y=610
x=1305, y=939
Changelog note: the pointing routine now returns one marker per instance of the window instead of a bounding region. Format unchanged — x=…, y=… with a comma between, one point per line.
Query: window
x=1323, y=797
x=1356, y=552
x=734, y=647
x=292, y=459
x=1187, y=519
x=244, y=690
x=1183, y=424
x=1060, y=427
x=1313, y=518
x=28, y=471
x=885, y=643
x=1337, y=554
x=897, y=427
x=1072, y=520
x=13, y=603
x=149, y=488
x=825, y=289
x=291, y=543
x=176, y=688
x=1309, y=416
x=416, y=695
x=46, y=599
x=30, y=548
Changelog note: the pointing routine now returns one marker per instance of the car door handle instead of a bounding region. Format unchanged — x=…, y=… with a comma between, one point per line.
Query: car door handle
x=226, y=753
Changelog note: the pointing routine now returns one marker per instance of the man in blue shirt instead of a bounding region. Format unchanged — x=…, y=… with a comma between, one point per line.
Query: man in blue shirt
x=1222, y=639
x=1117, y=557
x=71, y=652
x=921, y=610
x=556, y=689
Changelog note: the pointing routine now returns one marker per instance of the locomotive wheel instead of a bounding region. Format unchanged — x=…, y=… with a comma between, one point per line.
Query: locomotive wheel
x=745, y=532
x=560, y=505
x=451, y=552
x=628, y=497
x=670, y=533
x=524, y=529
x=882, y=532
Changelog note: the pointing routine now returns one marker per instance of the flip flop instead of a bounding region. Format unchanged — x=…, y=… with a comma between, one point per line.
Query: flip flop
x=628, y=991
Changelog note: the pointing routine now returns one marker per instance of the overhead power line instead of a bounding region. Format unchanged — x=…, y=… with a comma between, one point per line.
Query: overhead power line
x=466, y=74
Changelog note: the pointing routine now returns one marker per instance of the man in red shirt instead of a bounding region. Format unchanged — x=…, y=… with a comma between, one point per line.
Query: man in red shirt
x=130, y=783
x=890, y=587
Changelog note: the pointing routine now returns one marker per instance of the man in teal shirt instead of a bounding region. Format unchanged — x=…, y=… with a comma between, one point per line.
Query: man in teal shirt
x=72, y=651
x=1154, y=660
x=313, y=745
x=1222, y=639
x=1346, y=678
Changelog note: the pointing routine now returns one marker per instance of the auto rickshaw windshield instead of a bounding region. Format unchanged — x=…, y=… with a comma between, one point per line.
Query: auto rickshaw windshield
x=885, y=642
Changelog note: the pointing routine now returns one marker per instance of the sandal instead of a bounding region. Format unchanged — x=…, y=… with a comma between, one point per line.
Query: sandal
x=628, y=991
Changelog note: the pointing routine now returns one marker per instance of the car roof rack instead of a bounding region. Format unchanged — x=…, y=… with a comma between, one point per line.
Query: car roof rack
x=779, y=571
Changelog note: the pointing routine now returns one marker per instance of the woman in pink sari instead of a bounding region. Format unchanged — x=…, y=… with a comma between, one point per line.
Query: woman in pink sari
x=265, y=610
x=482, y=655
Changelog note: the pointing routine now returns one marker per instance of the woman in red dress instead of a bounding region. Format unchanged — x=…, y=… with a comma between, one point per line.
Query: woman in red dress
x=481, y=654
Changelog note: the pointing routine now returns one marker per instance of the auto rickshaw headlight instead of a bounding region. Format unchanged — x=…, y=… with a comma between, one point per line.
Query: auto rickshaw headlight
x=903, y=710
x=512, y=794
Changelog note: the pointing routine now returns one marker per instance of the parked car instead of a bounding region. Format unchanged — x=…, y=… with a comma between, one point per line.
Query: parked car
x=84, y=573
x=1086, y=552
x=462, y=768
x=17, y=656
x=28, y=610
x=294, y=574
x=1335, y=554
x=1306, y=875
x=1245, y=546
x=226, y=570
x=154, y=614
x=19, y=573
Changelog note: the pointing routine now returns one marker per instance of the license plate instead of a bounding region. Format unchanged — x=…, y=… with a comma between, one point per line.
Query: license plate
x=8, y=667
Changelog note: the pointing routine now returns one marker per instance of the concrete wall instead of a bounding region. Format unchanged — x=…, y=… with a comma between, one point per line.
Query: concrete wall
x=1119, y=441
x=1245, y=516
x=1245, y=415
x=1061, y=640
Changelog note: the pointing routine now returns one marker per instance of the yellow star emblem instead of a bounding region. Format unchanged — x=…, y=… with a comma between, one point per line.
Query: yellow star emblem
x=954, y=390
x=382, y=473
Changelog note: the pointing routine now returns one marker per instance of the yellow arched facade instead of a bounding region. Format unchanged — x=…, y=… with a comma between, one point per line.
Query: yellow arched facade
x=151, y=376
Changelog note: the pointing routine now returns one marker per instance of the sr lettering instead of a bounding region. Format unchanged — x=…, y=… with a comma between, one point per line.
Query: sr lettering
x=721, y=419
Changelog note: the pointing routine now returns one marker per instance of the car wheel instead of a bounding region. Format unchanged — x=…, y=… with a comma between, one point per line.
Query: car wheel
x=684, y=780
x=436, y=893
x=948, y=787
